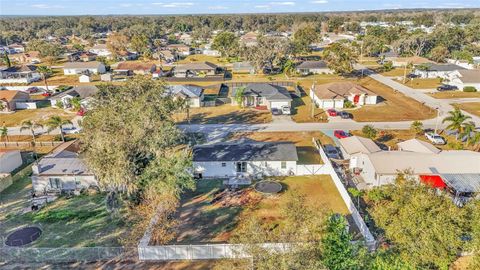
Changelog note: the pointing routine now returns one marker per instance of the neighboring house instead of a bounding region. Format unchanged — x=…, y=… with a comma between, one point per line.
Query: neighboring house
x=389, y=56
x=196, y=70
x=443, y=71
x=166, y=55
x=193, y=94
x=313, y=67
x=84, y=78
x=9, y=160
x=9, y=99
x=125, y=56
x=263, y=94
x=185, y=38
x=136, y=67
x=84, y=92
x=463, y=78
x=17, y=48
x=77, y=68
x=249, y=39
x=87, y=57
x=413, y=60
x=458, y=170
x=63, y=170
x=243, y=67
x=32, y=57
x=180, y=49
x=101, y=50
x=334, y=95
x=211, y=52
x=245, y=158
x=463, y=63
x=19, y=74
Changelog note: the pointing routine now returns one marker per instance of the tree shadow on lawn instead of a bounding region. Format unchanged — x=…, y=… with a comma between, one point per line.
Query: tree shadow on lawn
x=240, y=116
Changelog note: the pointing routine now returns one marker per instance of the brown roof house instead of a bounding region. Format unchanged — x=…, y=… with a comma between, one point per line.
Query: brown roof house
x=31, y=57
x=335, y=95
x=9, y=99
x=249, y=39
x=464, y=78
x=180, y=49
x=139, y=68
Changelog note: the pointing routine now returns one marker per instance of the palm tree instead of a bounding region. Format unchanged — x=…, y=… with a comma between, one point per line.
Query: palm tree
x=288, y=68
x=474, y=141
x=45, y=71
x=31, y=126
x=468, y=129
x=55, y=122
x=457, y=121
x=416, y=127
x=4, y=133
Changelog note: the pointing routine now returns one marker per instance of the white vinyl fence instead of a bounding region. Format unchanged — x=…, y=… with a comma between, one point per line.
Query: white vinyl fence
x=26, y=105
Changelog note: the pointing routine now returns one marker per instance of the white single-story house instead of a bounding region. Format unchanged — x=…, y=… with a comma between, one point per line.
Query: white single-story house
x=249, y=39
x=313, y=67
x=83, y=92
x=165, y=55
x=443, y=71
x=243, y=67
x=10, y=160
x=101, y=50
x=77, y=68
x=180, y=49
x=196, y=70
x=136, y=67
x=463, y=63
x=245, y=158
x=423, y=160
x=263, y=94
x=62, y=170
x=193, y=94
x=84, y=78
x=9, y=99
x=352, y=145
x=19, y=74
x=463, y=78
x=334, y=95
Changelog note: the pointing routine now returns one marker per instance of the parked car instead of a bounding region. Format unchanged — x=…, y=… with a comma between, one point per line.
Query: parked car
x=435, y=138
x=340, y=134
x=286, y=110
x=446, y=87
x=331, y=112
x=46, y=94
x=345, y=115
x=276, y=111
x=412, y=75
x=81, y=112
x=71, y=130
x=32, y=90
x=332, y=151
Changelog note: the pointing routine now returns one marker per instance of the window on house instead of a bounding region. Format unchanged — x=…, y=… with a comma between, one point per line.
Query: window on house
x=242, y=166
x=284, y=165
x=224, y=164
x=55, y=183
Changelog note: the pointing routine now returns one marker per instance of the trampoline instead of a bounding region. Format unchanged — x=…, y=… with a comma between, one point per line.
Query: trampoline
x=268, y=187
x=23, y=236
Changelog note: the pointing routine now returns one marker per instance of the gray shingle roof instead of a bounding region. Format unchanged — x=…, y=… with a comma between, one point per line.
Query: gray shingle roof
x=445, y=67
x=197, y=66
x=246, y=151
x=269, y=91
x=82, y=91
x=312, y=65
x=93, y=64
x=190, y=91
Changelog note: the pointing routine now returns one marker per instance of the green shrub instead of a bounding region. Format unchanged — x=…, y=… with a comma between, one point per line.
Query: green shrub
x=348, y=104
x=469, y=89
x=52, y=216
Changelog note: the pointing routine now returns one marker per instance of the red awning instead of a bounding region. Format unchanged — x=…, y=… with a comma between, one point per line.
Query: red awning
x=433, y=181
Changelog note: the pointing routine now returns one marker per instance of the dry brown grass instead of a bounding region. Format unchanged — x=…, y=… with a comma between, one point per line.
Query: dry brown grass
x=395, y=72
x=38, y=115
x=303, y=111
x=396, y=107
x=423, y=83
x=471, y=107
x=195, y=58
x=224, y=114
x=455, y=94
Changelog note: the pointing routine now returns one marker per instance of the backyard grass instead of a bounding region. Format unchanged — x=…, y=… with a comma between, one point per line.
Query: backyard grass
x=307, y=153
x=81, y=221
x=203, y=218
x=422, y=83
x=471, y=107
x=203, y=58
x=396, y=72
x=224, y=114
x=395, y=107
x=455, y=94
x=38, y=115
x=302, y=111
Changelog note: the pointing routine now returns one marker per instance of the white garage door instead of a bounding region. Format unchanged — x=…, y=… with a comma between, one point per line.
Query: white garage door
x=328, y=104
x=279, y=104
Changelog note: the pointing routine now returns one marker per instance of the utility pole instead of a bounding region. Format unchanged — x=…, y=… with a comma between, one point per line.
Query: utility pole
x=436, y=121
x=361, y=56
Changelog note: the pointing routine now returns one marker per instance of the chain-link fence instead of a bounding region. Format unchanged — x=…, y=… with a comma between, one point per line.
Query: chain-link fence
x=57, y=255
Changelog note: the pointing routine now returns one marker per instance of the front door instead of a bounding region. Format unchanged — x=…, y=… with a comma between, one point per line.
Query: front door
x=241, y=167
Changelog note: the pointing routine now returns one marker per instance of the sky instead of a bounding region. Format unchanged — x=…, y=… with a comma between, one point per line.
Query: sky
x=105, y=7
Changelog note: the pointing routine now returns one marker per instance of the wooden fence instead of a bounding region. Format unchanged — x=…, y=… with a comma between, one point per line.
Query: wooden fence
x=27, y=144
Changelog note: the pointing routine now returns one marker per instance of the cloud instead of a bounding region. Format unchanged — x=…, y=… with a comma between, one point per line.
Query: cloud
x=319, y=2
x=282, y=3
x=45, y=6
x=217, y=7
x=262, y=6
x=175, y=4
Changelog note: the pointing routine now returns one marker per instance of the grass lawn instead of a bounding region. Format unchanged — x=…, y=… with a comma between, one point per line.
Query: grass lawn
x=455, y=94
x=395, y=107
x=225, y=114
x=471, y=107
x=307, y=153
x=209, y=215
x=396, y=72
x=77, y=222
x=203, y=58
x=39, y=115
x=423, y=83
x=302, y=112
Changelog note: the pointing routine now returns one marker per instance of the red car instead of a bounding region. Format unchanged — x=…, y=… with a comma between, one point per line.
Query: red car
x=340, y=134
x=81, y=112
x=331, y=112
x=46, y=94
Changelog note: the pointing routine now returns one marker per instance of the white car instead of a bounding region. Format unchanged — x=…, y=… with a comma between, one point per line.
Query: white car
x=435, y=138
x=71, y=130
x=286, y=110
